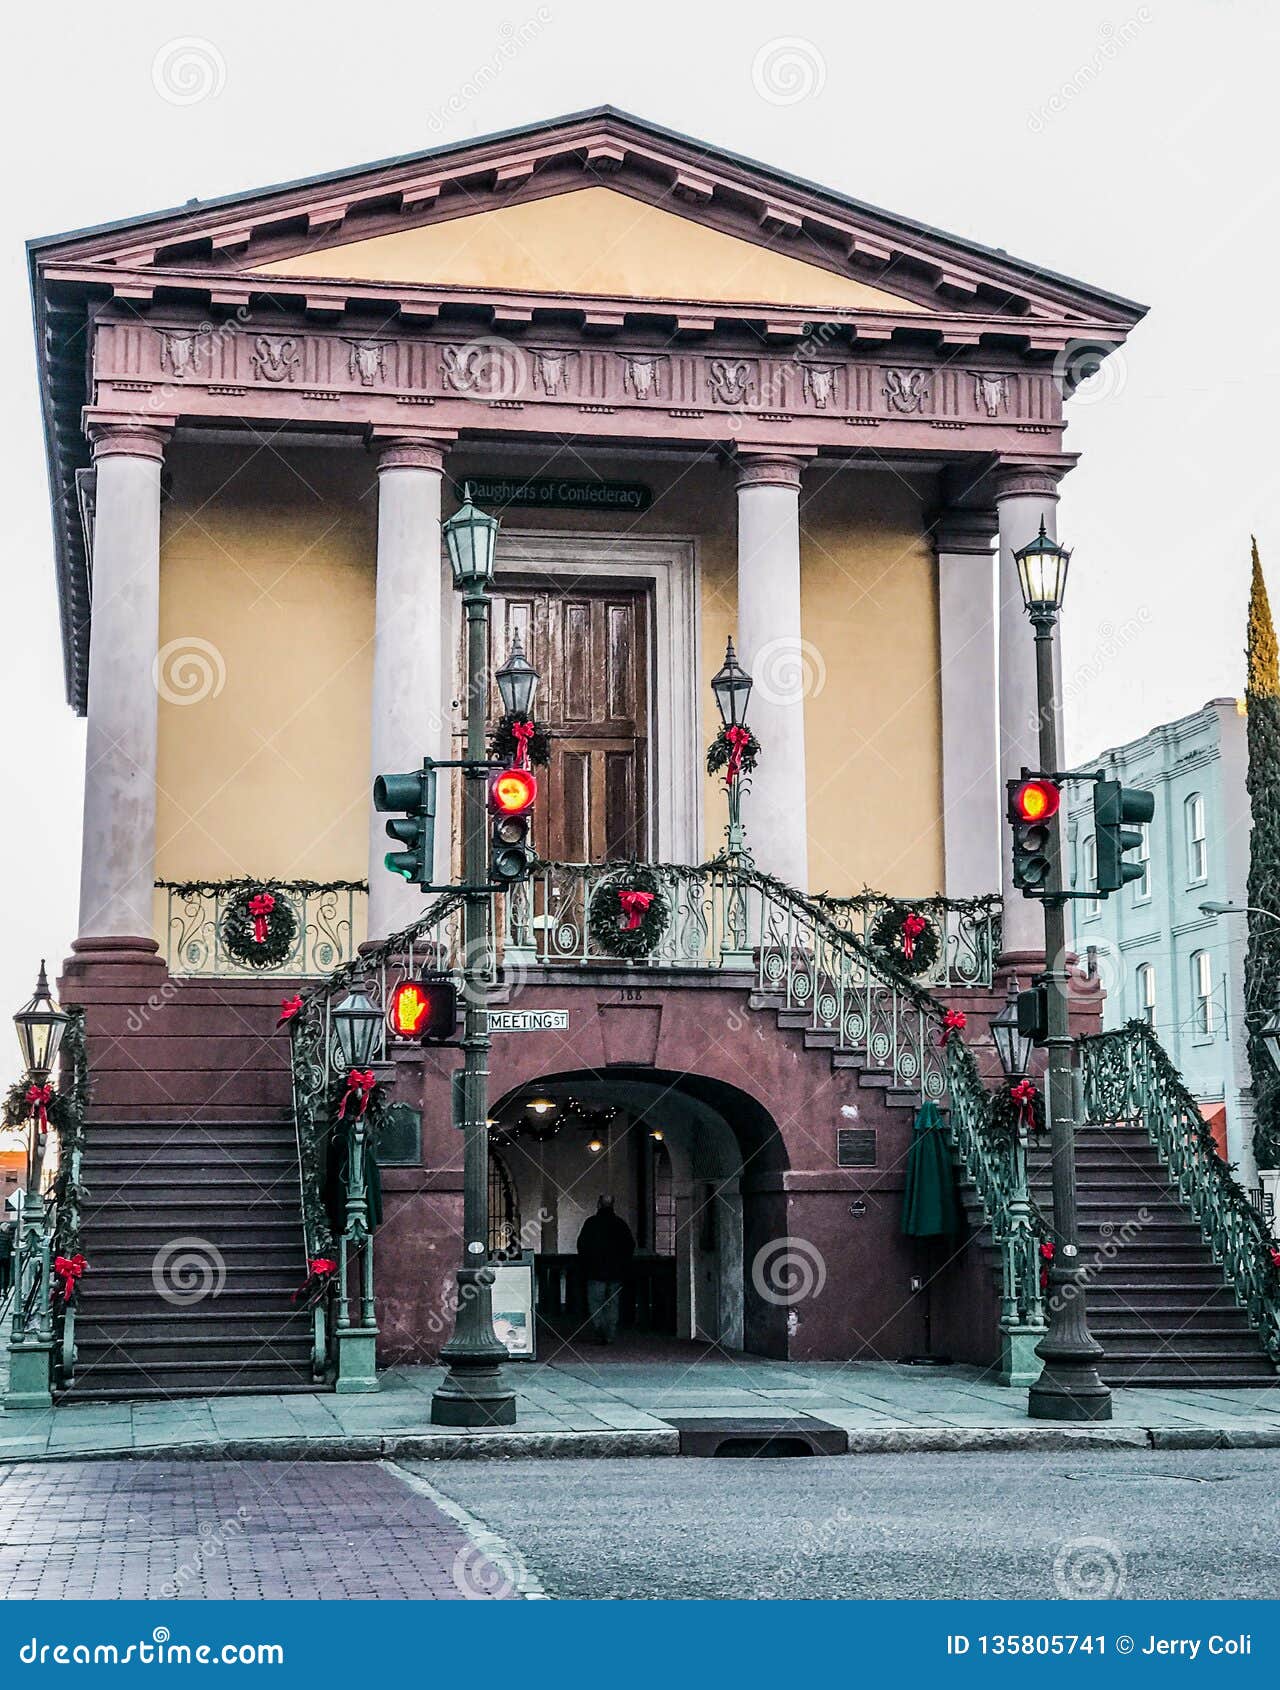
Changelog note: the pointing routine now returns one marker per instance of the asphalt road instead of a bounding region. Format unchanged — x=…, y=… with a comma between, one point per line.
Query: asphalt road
x=1123, y=1524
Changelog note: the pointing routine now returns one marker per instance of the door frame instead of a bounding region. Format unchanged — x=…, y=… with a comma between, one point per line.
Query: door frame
x=668, y=567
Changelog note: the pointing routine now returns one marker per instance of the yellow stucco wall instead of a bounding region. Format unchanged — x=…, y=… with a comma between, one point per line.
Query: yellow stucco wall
x=266, y=629
x=268, y=558
x=595, y=241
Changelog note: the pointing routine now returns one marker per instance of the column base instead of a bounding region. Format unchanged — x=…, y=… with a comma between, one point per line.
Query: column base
x=1019, y=1364
x=30, y=1366
x=357, y=1361
x=129, y=960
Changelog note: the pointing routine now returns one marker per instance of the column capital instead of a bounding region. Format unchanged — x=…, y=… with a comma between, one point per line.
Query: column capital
x=1014, y=479
x=769, y=466
x=408, y=449
x=125, y=435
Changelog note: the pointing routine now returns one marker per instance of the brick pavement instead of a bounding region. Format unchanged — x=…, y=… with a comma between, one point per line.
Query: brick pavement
x=122, y=1530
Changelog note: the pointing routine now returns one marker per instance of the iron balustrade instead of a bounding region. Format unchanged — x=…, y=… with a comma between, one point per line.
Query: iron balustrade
x=970, y=931
x=330, y=923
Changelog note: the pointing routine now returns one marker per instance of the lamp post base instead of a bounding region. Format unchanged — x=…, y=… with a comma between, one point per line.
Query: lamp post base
x=473, y=1392
x=1061, y=1399
x=473, y=1398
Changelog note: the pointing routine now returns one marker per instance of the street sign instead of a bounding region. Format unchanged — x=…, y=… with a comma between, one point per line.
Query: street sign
x=559, y=495
x=528, y=1020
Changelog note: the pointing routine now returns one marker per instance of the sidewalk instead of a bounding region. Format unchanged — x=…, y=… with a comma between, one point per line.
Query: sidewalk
x=588, y=1408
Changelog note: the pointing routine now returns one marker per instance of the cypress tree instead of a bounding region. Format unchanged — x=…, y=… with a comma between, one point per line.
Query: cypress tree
x=1262, y=959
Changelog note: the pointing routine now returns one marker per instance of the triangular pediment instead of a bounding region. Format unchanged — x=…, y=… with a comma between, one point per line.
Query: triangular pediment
x=591, y=241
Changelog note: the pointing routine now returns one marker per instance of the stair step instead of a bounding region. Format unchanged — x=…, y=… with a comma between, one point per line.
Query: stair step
x=199, y=1350
x=294, y=1383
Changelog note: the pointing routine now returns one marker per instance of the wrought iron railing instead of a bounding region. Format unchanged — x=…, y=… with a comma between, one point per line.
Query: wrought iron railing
x=1129, y=1077
x=329, y=919
x=969, y=930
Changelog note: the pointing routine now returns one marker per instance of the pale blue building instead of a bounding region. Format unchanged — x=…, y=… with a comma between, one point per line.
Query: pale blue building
x=1160, y=955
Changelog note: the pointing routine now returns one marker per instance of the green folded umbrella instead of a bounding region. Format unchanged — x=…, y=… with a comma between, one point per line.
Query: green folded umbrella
x=930, y=1206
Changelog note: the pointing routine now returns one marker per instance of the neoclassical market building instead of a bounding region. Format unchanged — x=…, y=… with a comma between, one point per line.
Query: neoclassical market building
x=707, y=400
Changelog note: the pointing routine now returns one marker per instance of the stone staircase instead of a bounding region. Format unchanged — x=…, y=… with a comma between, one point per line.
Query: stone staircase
x=193, y=1233
x=1158, y=1303
x=842, y=1058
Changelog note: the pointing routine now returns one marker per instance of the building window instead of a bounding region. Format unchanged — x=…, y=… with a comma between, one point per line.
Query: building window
x=1089, y=853
x=1197, y=844
x=1202, y=993
x=1147, y=993
x=1142, y=888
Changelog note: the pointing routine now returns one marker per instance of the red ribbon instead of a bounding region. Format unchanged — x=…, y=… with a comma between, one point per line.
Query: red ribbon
x=322, y=1265
x=289, y=1007
x=359, y=1084
x=321, y=1268
x=912, y=927
x=739, y=739
x=953, y=1022
x=1024, y=1095
x=39, y=1098
x=68, y=1270
x=634, y=905
x=522, y=733
x=260, y=907
x=1275, y=1257
x=1046, y=1256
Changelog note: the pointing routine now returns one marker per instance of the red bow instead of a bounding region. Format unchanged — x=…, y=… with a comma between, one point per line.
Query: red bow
x=1024, y=1095
x=953, y=1022
x=322, y=1265
x=739, y=739
x=39, y=1098
x=522, y=733
x=260, y=907
x=1275, y=1257
x=68, y=1270
x=289, y=1007
x=634, y=905
x=1046, y=1256
x=359, y=1084
x=318, y=1268
x=912, y=927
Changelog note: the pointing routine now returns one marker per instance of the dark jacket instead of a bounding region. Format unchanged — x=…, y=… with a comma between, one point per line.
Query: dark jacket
x=605, y=1246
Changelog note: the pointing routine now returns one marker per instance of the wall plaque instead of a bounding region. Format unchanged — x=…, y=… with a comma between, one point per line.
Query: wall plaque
x=855, y=1147
x=554, y=494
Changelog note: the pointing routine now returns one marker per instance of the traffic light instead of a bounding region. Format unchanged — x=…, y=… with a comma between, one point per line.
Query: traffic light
x=1116, y=812
x=511, y=798
x=424, y=1009
x=1032, y=806
x=415, y=795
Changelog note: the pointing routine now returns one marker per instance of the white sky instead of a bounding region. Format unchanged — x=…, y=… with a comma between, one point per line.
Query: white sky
x=1132, y=146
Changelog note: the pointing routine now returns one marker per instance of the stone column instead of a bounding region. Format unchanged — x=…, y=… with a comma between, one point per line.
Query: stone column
x=117, y=864
x=411, y=676
x=771, y=649
x=1026, y=494
x=971, y=794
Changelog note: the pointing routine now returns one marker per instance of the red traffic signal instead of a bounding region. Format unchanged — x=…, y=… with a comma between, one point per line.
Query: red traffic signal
x=426, y=1010
x=1034, y=801
x=512, y=791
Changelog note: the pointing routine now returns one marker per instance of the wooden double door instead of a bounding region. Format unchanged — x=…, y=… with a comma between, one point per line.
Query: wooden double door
x=590, y=646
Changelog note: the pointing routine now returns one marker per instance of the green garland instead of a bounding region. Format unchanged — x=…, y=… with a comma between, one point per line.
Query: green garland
x=1006, y=1116
x=239, y=926
x=607, y=921
x=888, y=935
x=246, y=883
x=503, y=746
x=66, y=1112
x=720, y=751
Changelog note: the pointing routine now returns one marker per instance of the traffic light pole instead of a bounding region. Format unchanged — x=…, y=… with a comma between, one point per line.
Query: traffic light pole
x=474, y=1393
x=1069, y=1387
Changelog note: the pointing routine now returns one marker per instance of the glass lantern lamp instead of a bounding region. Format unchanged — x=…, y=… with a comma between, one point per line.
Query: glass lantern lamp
x=357, y=1030
x=1013, y=1046
x=472, y=538
x=40, y=1025
x=517, y=683
x=732, y=689
x=1042, y=575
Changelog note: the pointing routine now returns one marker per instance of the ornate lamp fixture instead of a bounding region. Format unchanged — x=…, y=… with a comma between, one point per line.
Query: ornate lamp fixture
x=517, y=682
x=40, y=1025
x=472, y=538
x=1042, y=575
x=732, y=688
x=357, y=1028
x=1013, y=1046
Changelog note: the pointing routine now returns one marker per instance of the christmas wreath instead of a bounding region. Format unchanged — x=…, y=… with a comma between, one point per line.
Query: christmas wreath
x=628, y=913
x=515, y=739
x=29, y=1100
x=909, y=939
x=734, y=750
x=259, y=927
x=1018, y=1107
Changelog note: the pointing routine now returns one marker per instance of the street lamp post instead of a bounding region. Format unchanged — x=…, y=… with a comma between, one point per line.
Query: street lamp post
x=474, y=1392
x=1069, y=1387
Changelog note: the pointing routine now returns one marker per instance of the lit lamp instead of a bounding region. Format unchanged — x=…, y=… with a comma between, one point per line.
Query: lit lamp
x=40, y=1025
x=357, y=1029
x=472, y=537
x=517, y=682
x=1042, y=575
x=732, y=688
x=1013, y=1046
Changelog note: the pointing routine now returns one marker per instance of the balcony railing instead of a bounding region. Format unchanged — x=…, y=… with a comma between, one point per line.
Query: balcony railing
x=330, y=919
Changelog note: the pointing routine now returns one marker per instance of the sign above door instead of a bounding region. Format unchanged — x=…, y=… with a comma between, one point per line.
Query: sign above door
x=552, y=493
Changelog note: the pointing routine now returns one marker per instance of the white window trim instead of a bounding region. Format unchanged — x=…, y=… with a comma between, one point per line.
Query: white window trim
x=1196, y=877
x=1142, y=888
x=1092, y=906
x=1204, y=1027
